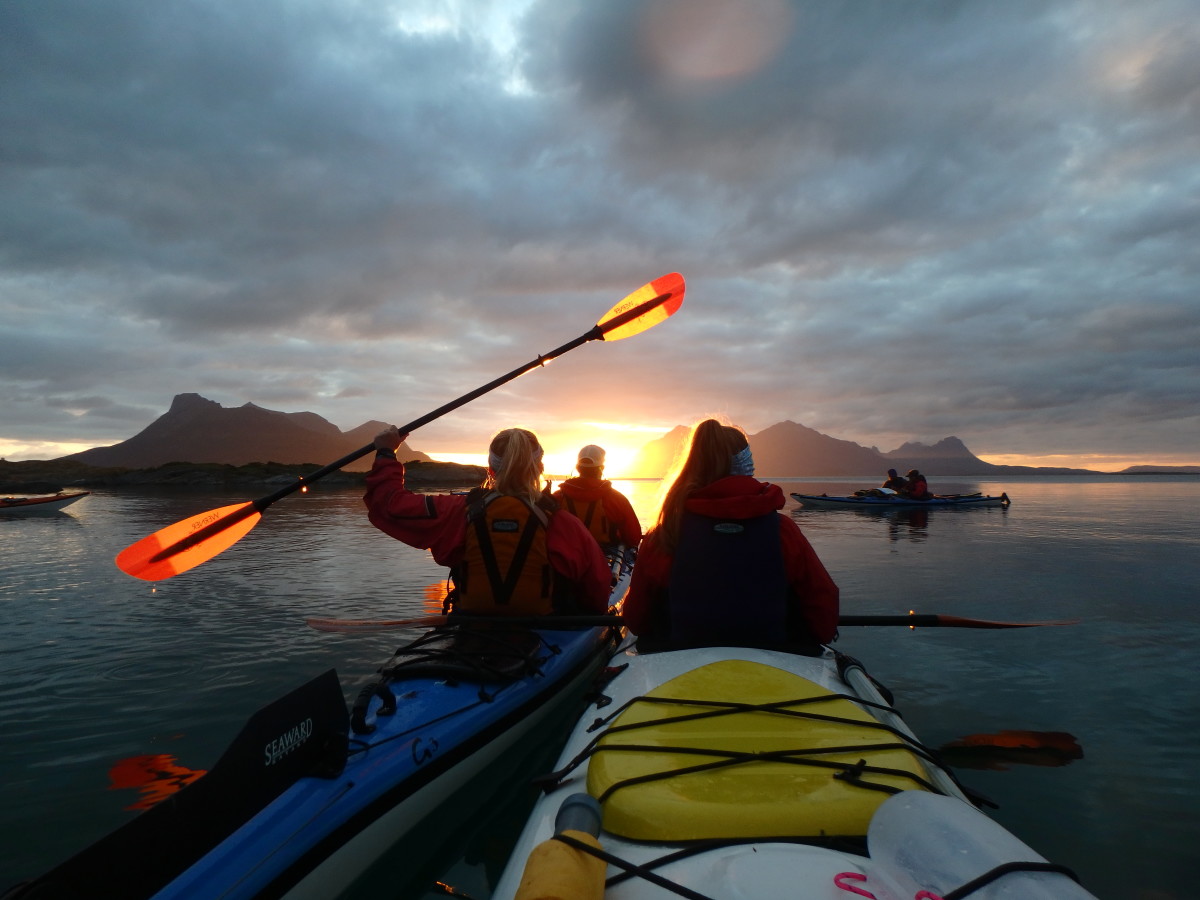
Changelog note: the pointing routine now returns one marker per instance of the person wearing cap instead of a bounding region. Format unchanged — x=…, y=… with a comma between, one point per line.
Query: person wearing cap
x=916, y=487
x=721, y=566
x=510, y=549
x=606, y=512
x=895, y=482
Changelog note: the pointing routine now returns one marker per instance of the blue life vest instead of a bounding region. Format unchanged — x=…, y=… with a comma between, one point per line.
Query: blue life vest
x=728, y=584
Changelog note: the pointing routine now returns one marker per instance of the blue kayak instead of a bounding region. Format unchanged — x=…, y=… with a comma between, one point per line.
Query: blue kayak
x=310, y=793
x=873, y=500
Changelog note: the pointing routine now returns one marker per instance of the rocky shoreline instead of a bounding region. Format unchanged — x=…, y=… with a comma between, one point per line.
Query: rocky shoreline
x=39, y=477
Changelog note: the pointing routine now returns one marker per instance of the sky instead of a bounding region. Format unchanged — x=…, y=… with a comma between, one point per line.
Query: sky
x=897, y=221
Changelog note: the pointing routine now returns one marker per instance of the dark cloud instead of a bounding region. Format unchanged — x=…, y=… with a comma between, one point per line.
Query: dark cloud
x=897, y=221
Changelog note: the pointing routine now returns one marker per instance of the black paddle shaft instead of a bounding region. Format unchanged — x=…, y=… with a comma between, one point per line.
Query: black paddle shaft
x=595, y=333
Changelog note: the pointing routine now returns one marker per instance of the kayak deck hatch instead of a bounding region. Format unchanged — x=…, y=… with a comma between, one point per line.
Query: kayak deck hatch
x=691, y=761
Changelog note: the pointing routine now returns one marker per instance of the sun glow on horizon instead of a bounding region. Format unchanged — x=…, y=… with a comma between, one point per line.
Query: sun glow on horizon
x=463, y=459
x=1097, y=462
x=25, y=451
x=621, y=443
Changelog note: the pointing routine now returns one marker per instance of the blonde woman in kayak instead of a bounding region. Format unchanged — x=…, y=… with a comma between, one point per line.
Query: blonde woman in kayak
x=721, y=566
x=510, y=550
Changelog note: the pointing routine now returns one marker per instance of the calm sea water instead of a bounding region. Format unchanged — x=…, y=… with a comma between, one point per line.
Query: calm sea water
x=96, y=667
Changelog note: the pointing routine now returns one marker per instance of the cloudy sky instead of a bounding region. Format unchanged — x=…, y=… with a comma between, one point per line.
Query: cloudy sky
x=897, y=220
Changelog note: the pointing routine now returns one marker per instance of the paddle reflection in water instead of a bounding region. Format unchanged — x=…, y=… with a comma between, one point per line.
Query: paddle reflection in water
x=154, y=776
x=998, y=752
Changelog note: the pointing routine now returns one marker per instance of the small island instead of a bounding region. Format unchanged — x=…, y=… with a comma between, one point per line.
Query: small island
x=48, y=477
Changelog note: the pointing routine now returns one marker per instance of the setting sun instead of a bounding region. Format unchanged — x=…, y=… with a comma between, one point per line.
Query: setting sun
x=621, y=444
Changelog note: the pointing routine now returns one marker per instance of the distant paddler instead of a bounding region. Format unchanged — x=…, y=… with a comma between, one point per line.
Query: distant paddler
x=606, y=512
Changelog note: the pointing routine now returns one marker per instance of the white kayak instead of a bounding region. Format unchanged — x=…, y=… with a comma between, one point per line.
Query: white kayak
x=38, y=506
x=734, y=773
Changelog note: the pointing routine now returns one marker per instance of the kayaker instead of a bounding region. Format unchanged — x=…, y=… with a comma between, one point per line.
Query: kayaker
x=916, y=487
x=606, y=511
x=895, y=482
x=509, y=548
x=721, y=566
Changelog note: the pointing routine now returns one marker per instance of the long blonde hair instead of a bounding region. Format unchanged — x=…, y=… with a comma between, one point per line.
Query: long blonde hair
x=520, y=471
x=709, y=452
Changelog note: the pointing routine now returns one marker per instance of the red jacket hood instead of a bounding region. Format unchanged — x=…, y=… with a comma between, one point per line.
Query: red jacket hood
x=736, y=497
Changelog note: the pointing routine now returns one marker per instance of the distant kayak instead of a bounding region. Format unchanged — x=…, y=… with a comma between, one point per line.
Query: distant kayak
x=36, y=506
x=871, y=500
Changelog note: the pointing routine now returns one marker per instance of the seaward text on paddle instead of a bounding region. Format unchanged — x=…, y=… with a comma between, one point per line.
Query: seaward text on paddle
x=277, y=749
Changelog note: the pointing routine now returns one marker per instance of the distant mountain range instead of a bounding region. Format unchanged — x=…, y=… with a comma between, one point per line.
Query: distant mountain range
x=790, y=449
x=198, y=430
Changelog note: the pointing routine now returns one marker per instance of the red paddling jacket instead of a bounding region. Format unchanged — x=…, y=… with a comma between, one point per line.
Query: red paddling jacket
x=606, y=511
x=766, y=591
x=438, y=523
x=918, y=488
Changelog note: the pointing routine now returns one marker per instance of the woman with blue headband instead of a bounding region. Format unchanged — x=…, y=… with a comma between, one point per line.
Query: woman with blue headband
x=722, y=567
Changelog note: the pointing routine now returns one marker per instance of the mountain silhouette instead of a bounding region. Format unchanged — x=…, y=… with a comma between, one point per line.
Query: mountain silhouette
x=788, y=449
x=198, y=430
x=949, y=456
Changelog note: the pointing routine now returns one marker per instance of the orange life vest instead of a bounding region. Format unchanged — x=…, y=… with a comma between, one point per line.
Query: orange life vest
x=591, y=513
x=505, y=569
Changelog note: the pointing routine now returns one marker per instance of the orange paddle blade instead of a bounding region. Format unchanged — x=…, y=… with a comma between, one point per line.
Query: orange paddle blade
x=186, y=544
x=669, y=286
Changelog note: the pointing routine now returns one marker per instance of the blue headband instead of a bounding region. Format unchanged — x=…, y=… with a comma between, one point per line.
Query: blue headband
x=742, y=462
x=494, y=461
